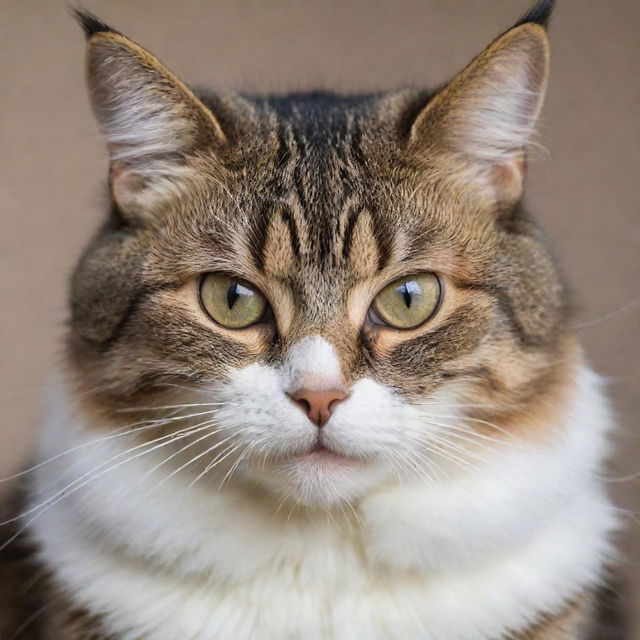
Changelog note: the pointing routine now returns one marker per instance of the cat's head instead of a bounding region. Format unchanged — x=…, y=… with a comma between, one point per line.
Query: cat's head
x=341, y=290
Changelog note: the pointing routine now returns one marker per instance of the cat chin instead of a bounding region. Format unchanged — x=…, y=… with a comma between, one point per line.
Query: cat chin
x=320, y=480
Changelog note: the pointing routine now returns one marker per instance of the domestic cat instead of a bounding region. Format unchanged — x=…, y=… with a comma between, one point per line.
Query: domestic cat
x=320, y=377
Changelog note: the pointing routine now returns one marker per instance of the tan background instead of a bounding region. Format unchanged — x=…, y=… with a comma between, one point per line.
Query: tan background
x=52, y=164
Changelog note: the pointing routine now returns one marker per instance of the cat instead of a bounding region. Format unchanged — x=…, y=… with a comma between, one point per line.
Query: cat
x=320, y=376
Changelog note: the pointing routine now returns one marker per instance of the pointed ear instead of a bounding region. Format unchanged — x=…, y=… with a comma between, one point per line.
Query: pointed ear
x=480, y=123
x=152, y=122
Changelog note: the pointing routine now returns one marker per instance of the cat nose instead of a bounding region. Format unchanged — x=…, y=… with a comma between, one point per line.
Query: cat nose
x=318, y=405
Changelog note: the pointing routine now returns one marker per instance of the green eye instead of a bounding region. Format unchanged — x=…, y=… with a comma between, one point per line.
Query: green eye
x=231, y=302
x=408, y=302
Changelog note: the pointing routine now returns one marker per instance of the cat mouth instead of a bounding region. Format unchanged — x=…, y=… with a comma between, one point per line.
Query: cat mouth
x=320, y=452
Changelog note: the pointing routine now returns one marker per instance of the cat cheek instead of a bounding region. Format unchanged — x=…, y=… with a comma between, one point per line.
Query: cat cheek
x=104, y=287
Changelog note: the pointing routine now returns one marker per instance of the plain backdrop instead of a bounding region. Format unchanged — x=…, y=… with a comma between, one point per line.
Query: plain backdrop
x=584, y=189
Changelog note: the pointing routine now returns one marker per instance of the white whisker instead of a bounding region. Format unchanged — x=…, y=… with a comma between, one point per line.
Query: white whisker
x=191, y=461
x=85, y=479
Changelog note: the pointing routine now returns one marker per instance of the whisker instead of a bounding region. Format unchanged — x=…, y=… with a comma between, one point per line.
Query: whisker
x=452, y=446
x=429, y=461
x=173, y=406
x=70, y=489
x=431, y=440
x=200, y=389
x=607, y=316
x=433, y=464
x=422, y=473
x=355, y=514
x=469, y=436
x=160, y=422
x=446, y=455
x=118, y=433
x=458, y=428
x=333, y=520
x=210, y=432
x=221, y=457
x=163, y=439
x=443, y=448
x=282, y=501
x=235, y=465
x=191, y=461
x=482, y=405
x=512, y=436
x=631, y=477
x=191, y=415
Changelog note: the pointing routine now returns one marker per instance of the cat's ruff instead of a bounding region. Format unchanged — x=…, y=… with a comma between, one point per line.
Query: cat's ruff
x=424, y=562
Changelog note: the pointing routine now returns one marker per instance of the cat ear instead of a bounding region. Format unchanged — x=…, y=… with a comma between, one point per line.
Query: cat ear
x=152, y=122
x=480, y=123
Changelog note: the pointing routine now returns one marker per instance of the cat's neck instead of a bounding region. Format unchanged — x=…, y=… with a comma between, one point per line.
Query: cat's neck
x=501, y=536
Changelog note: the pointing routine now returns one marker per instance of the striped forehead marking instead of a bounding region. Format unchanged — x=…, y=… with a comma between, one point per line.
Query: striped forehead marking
x=293, y=242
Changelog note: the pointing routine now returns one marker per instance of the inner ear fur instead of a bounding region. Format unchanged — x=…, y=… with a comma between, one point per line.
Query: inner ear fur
x=479, y=125
x=151, y=120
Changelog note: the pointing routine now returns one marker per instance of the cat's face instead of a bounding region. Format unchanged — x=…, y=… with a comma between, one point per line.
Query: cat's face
x=343, y=291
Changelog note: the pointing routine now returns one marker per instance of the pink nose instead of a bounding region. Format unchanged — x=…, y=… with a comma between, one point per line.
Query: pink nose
x=318, y=405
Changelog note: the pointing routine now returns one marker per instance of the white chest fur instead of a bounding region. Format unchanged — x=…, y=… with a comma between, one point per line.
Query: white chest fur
x=464, y=559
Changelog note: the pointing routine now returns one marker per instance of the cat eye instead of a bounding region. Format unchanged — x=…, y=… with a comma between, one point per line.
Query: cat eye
x=407, y=302
x=231, y=302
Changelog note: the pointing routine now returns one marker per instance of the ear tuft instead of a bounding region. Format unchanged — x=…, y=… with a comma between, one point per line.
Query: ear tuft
x=538, y=13
x=90, y=23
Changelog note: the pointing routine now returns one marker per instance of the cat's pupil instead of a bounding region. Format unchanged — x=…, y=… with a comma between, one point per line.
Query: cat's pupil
x=408, y=290
x=233, y=293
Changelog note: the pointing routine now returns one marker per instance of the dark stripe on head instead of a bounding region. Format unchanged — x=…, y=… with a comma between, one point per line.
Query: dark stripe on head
x=284, y=151
x=259, y=235
x=355, y=145
x=383, y=238
x=352, y=219
x=288, y=218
